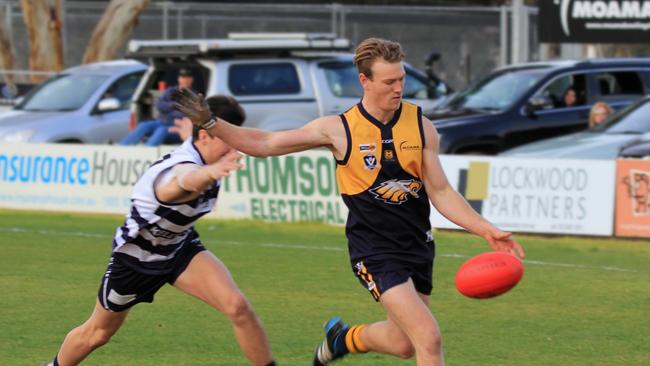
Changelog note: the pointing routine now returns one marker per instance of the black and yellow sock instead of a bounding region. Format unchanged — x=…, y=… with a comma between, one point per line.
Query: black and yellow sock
x=353, y=339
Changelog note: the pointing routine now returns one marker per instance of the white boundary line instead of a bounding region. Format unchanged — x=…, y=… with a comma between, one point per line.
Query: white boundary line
x=308, y=247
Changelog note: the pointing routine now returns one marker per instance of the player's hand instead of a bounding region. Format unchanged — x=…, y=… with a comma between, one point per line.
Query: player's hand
x=501, y=241
x=193, y=106
x=225, y=165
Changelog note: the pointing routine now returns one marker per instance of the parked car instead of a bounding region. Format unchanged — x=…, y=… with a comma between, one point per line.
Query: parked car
x=604, y=141
x=282, y=81
x=638, y=150
x=524, y=103
x=85, y=104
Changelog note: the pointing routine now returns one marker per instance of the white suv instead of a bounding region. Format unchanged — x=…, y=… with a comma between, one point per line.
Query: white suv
x=281, y=80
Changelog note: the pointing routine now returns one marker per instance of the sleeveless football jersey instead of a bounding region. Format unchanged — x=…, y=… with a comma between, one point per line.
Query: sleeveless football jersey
x=155, y=230
x=380, y=180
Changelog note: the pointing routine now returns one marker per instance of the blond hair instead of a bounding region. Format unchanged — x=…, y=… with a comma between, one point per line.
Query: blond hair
x=592, y=113
x=370, y=49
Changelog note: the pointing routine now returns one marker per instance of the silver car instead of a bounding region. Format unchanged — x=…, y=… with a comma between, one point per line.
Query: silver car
x=604, y=141
x=84, y=104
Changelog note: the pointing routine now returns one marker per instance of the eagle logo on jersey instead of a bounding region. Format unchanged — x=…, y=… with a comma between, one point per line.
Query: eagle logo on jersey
x=396, y=191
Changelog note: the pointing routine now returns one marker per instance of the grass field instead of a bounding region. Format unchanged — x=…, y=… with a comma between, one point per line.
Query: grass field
x=581, y=302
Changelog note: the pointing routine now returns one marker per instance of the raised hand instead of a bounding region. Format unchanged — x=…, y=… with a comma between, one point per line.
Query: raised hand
x=194, y=107
x=225, y=165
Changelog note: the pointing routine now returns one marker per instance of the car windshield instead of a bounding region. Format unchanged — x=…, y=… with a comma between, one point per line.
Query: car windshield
x=64, y=92
x=497, y=91
x=631, y=120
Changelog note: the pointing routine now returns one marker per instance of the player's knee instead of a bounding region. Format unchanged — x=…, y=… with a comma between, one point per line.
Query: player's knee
x=99, y=337
x=238, y=308
x=433, y=344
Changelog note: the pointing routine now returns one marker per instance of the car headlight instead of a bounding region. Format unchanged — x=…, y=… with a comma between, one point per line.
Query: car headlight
x=18, y=136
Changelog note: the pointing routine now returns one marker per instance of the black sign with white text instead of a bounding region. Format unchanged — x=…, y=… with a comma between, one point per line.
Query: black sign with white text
x=594, y=21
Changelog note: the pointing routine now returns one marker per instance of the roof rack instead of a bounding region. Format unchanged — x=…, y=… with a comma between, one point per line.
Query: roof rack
x=240, y=42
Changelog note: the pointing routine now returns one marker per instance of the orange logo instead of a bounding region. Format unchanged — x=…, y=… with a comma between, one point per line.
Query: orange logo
x=638, y=188
x=397, y=191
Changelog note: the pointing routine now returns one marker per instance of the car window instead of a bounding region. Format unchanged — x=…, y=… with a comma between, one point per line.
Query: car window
x=497, y=91
x=123, y=88
x=415, y=88
x=342, y=79
x=566, y=91
x=263, y=79
x=64, y=92
x=619, y=83
x=632, y=120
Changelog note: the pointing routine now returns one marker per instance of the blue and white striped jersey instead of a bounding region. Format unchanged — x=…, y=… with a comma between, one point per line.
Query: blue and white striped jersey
x=154, y=231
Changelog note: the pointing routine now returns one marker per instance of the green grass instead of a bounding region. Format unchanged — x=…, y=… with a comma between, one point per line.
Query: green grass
x=571, y=310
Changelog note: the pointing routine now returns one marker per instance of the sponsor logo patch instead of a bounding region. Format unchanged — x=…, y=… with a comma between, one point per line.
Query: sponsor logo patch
x=406, y=146
x=367, y=147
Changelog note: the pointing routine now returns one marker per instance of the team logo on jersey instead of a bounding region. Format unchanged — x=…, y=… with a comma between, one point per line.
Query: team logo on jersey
x=367, y=148
x=370, y=161
x=389, y=155
x=396, y=191
x=406, y=146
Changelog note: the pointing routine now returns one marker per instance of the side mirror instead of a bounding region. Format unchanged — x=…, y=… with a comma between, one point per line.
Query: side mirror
x=538, y=103
x=108, y=104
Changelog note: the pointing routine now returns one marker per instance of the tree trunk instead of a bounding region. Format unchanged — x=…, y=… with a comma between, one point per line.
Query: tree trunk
x=43, y=22
x=7, y=53
x=113, y=29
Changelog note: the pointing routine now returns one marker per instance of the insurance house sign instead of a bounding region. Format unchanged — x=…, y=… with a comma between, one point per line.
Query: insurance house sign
x=594, y=21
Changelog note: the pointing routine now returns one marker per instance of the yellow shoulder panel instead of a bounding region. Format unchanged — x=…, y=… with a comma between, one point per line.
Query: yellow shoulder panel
x=407, y=137
x=360, y=171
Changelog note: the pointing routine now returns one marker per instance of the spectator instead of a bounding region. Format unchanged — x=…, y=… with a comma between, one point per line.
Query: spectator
x=599, y=112
x=158, y=131
x=570, y=97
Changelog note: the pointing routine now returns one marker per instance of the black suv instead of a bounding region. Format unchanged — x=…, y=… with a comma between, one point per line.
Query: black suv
x=529, y=102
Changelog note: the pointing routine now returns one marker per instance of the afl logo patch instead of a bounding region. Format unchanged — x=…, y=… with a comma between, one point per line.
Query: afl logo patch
x=370, y=161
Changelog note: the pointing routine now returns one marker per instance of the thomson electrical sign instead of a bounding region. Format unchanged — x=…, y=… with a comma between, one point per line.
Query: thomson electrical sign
x=594, y=21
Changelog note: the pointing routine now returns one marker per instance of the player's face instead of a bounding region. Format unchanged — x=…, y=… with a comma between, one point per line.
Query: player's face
x=386, y=86
x=185, y=82
x=213, y=148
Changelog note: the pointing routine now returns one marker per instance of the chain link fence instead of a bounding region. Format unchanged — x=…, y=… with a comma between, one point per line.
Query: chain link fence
x=471, y=40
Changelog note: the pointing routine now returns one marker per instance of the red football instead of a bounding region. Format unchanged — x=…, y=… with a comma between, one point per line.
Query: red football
x=489, y=274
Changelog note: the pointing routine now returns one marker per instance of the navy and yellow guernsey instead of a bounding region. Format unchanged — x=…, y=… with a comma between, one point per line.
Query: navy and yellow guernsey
x=380, y=179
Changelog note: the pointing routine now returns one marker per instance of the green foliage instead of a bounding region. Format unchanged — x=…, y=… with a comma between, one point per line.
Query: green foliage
x=582, y=301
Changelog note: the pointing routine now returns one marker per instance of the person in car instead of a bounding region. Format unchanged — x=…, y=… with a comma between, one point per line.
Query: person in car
x=158, y=131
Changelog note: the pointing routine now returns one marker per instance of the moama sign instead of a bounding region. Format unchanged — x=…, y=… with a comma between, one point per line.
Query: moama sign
x=594, y=21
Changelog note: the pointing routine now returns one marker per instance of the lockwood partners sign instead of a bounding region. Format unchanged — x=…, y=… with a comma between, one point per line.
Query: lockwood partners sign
x=523, y=195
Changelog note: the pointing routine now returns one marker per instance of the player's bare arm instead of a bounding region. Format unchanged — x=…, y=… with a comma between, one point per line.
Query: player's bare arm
x=452, y=205
x=190, y=180
x=325, y=131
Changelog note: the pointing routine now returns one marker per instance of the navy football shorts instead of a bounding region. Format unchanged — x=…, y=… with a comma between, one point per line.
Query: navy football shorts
x=379, y=277
x=122, y=286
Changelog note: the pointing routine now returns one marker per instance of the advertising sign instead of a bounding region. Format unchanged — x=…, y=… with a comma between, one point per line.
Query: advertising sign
x=89, y=178
x=296, y=187
x=594, y=21
x=535, y=195
x=632, y=193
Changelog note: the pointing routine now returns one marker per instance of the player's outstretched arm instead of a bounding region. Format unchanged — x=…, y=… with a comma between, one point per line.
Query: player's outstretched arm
x=190, y=180
x=454, y=206
x=249, y=140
